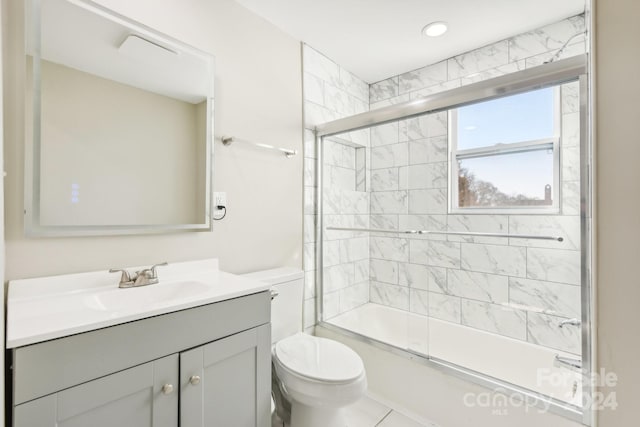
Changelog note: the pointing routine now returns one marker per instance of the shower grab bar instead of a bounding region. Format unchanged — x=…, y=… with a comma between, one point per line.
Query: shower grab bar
x=228, y=140
x=449, y=233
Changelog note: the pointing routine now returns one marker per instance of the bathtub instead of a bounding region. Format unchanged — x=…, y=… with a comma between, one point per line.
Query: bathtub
x=528, y=366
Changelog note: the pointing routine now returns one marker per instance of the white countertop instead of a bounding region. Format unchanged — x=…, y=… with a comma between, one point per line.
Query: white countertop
x=46, y=308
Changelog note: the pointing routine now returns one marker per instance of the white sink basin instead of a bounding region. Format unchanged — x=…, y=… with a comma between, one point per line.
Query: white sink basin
x=46, y=308
x=127, y=299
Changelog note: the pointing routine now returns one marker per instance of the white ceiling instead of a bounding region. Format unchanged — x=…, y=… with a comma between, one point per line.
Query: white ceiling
x=377, y=39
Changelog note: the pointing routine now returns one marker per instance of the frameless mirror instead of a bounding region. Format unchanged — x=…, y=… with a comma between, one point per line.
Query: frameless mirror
x=122, y=125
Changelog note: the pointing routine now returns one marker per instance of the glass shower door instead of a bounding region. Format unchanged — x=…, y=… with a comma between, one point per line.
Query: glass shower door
x=369, y=286
x=509, y=307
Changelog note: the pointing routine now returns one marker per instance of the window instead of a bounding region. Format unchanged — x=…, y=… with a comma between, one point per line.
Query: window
x=505, y=154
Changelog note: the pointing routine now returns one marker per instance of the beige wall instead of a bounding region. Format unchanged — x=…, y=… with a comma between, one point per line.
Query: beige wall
x=617, y=114
x=258, y=97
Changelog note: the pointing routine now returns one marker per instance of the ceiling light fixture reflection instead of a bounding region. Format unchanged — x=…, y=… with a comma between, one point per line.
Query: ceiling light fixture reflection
x=435, y=29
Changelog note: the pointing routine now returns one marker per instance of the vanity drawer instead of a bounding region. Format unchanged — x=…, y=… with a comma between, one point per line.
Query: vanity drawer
x=47, y=367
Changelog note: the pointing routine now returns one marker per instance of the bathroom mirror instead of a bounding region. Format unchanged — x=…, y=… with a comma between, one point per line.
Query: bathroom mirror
x=122, y=117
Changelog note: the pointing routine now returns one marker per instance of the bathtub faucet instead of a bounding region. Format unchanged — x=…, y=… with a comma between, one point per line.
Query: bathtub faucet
x=572, y=322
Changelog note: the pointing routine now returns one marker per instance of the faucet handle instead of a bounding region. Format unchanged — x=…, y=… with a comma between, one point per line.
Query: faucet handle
x=153, y=269
x=125, y=277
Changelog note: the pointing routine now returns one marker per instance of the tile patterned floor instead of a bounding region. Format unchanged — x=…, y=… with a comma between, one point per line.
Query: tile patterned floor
x=371, y=413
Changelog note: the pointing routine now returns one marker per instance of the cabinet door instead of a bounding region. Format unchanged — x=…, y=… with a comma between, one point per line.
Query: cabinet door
x=228, y=382
x=133, y=397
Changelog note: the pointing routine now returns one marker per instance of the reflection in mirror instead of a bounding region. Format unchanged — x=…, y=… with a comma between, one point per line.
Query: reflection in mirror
x=122, y=125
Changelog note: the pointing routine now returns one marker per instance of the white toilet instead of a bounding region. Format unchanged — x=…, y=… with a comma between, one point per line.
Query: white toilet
x=317, y=376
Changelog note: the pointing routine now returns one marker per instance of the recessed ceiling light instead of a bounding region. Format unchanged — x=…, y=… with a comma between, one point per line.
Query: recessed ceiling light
x=435, y=29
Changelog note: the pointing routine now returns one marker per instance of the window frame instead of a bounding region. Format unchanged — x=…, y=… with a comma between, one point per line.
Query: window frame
x=552, y=142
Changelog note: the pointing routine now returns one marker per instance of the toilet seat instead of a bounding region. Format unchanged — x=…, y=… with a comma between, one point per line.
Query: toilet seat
x=318, y=359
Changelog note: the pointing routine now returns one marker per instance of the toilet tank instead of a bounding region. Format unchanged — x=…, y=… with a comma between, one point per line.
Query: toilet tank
x=286, y=308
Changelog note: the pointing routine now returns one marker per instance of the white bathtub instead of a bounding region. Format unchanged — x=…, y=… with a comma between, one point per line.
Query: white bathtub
x=526, y=365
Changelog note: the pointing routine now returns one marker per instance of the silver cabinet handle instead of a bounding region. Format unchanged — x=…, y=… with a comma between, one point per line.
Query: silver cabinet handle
x=274, y=293
x=194, y=380
x=167, y=388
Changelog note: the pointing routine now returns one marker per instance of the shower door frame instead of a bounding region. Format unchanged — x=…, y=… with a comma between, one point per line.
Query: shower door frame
x=546, y=75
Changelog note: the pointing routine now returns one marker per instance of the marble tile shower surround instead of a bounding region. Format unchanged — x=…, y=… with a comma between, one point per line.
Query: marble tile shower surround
x=517, y=288
x=331, y=92
x=345, y=254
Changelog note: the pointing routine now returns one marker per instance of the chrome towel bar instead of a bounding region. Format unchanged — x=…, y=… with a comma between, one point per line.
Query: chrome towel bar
x=448, y=233
x=228, y=140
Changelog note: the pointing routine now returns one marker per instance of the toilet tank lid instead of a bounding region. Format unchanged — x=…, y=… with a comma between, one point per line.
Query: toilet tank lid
x=277, y=275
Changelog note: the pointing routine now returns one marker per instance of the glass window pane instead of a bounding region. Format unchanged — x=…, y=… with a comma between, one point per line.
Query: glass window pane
x=513, y=179
x=524, y=117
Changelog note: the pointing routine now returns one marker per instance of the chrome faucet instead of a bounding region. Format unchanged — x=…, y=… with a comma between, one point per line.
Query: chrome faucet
x=148, y=276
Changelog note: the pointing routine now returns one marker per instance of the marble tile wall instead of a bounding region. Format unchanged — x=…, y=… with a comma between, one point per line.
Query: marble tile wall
x=516, y=287
x=345, y=254
x=331, y=92
x=516, y=53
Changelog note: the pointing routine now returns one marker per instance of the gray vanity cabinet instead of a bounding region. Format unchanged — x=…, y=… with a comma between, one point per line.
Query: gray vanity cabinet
x=221, y=383
x=205, y=366
x=133, y=397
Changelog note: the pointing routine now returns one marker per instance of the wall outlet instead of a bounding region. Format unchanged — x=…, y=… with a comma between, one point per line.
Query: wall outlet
x=219, y=198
